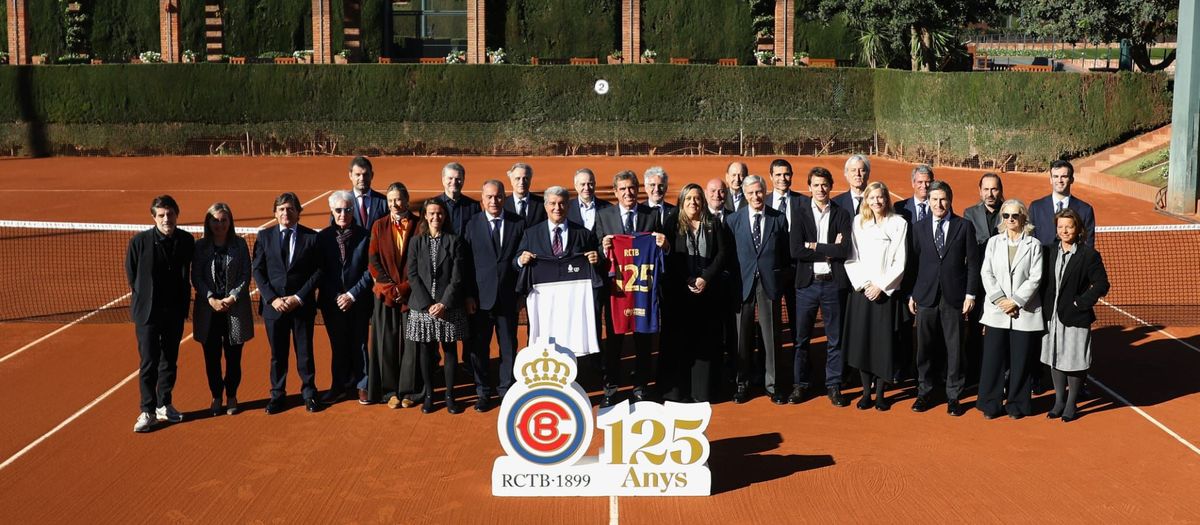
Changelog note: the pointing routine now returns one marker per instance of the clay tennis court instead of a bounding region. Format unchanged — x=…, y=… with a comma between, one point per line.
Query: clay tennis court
x=69, y=400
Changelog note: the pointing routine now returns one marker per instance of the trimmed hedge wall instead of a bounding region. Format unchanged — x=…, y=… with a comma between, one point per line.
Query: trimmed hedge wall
x=698, y=29
x=123, y=28
x=45, y=28
x=4, y=34
x=253, y=27
x=539, y=28
x=834, y=39
x=137, y=109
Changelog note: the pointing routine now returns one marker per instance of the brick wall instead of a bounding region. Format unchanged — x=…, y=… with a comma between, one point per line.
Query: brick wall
x=322, y=32
x=476, y=30
x=168, y=30
x=785, y=19
x=18, y=32
x=631, y=30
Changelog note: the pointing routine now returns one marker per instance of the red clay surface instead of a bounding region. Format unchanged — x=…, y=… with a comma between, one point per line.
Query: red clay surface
x=805, y=463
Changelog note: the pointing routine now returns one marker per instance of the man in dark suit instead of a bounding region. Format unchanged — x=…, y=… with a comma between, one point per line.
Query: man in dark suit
x=820, y=243
x=369, y=205
x=985, y=215
x=1041, y=211
x=556, y=236
x=158, y=265
x=656, y=192
x=626, y=218
x=460, y=207
x=913, y=210
x=716, y=194
x=761, y=238
x=524, y=203
x=345, y=298
x=858, y=173
x=735, y=173
x=492, y=238
x=287, y=268
x=944, y=294
x=782, y=198
x=582, y=210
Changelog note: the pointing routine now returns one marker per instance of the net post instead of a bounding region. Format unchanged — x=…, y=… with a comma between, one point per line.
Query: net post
x=1185, y=115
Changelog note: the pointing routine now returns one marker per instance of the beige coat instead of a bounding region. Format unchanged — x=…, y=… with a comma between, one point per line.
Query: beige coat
x=1019, y=281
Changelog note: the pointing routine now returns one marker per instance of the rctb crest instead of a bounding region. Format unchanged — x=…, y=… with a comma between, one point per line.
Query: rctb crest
x=545, y=418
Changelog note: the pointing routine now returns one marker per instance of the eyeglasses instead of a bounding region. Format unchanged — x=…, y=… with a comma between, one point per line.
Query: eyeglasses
x=343, y=210
x=1010, y=215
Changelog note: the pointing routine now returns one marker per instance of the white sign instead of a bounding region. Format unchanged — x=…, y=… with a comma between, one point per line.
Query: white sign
x=545, y=426
x=601, y=87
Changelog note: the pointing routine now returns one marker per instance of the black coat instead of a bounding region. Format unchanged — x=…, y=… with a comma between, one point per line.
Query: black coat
x=459, y=212
x=350, y=277
x=804, y=230
x=139, y=271
x=1084, y=282
x=950, y=274
x=535, y=209
x=495, y=279
x=575, y=216
x=450, y=278
x=275, y=278
x=536, y=240
x=679, y=266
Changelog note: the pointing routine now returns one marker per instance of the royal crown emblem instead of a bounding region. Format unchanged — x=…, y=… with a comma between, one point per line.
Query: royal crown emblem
x=548, y=370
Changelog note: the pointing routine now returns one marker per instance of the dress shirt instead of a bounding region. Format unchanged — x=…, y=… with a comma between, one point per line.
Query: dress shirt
x=587, y=210
x=777, y=201
x=291, y=245
x=491, y=218
x=625, y=212
x=821, y=219
x=945, y=236
x=565, y=231
x=1066, y=203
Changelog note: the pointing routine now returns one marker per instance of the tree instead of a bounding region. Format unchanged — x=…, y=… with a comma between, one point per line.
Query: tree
x=1141, y=22
x=922, y=29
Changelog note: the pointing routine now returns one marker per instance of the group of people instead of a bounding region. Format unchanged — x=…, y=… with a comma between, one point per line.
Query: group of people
x=393, y=285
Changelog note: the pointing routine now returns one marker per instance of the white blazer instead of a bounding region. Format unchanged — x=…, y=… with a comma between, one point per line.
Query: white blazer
x=879, y=253
x=1019, y=282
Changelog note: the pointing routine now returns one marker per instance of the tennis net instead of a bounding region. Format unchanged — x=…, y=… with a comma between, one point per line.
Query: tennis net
x=66, y=272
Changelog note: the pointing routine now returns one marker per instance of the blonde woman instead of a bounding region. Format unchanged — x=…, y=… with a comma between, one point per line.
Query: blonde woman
x=1012, y=313
x=873, y=315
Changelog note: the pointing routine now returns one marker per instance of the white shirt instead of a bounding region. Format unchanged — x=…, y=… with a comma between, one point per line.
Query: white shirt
x=856, y=200
x=291, y=244
x=879, y=254
x=491, y=218
x=550, y=226
x=625, y=212
x=821, y=218
x=1066, y=203
x=916, y=209
x=779, y=199
x=587, y=210
x=517, y=203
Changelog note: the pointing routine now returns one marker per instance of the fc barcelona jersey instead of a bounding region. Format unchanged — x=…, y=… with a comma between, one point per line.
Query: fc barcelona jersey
x=636, y=264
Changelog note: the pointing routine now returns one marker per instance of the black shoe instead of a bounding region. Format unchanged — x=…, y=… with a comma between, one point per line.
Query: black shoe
x=921, y=405
x=427, y=404
x=864, y=403
x=274, y=406
x=797, y=396
x=778, y=399
x=1053, y=415
x=835, y=397
x=882, y=404
x=452, y=407
x=483, y=404
x=954, y=408
x=1067, y=418
x=989, y=416
x=607, y=401
x=333, y=396
x=740, y=396
x=215, y=409
x=312, y=405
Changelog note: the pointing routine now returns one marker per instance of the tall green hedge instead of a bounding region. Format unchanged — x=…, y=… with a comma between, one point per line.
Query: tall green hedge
x=45, y=27
x=820, y=39
x=4, y=34
x=1032, y=118
x=253, y=27
x=1037, y=117
x=559, y=28
x=123, y=28
x=191, y=27
x=702, y=29
x=374, y=18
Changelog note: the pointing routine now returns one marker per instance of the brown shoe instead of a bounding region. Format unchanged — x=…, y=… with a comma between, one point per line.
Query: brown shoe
x=407, y=403
x=362, y=397
x=393, y=402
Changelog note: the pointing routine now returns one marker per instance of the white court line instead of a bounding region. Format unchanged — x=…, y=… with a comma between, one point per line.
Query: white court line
x=1144, y=323
x=66, y=326
x=114, y=388
x=1143, y=413
x=614, y=513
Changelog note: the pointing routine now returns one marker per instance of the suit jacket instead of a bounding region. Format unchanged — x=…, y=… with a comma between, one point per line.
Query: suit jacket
x=237, y=280
x=1084, y=282
x=460, y=211
x=769, y=261
x=1020, y=281
x=376, y=208
x=609, y=221
x=666, y=209
x=275, y=278
x=535, y=210
x=729, y=207
x=984, y=229
x=1041, y=215
x=804, y=230
x=139, y=271
x=536, y=240
x=846, y=202
x=678, y=264
x=795, y=201
x=387, y=264
x=951, y=273
x=495, y=279
x=351, y=276
x=907, y=209
x=574, y=215
x=450, y=277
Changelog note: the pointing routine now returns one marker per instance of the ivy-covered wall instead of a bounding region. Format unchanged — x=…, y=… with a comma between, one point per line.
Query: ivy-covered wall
x=698, y=29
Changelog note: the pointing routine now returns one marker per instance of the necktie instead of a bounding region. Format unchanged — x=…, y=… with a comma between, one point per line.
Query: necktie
x=857, y=203
x=939, y=238
x=629, y=222
x=1058, y=207
x=920, y=211
x=783, y=205
x=737, y=201
x=557, y=247
x=286, y=249
x=496, y=235
x=756, y=234
x=521, y=209
x=362, y=211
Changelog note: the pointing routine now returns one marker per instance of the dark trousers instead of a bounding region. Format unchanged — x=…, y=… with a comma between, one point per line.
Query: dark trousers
x=429, y=361
x=1012, y=350
x=939, y=327
x=348, y=346
x=216, y=344
x=483, y=324
x=611, y=360
x=281, y=332
x=769, y=317
x=826, y=296
x=158, y=350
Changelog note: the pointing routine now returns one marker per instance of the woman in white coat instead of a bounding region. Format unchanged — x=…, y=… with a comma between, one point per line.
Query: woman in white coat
x=1012, y=313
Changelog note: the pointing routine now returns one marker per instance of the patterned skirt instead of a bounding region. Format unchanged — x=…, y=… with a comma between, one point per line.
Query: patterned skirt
x=425, y=328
